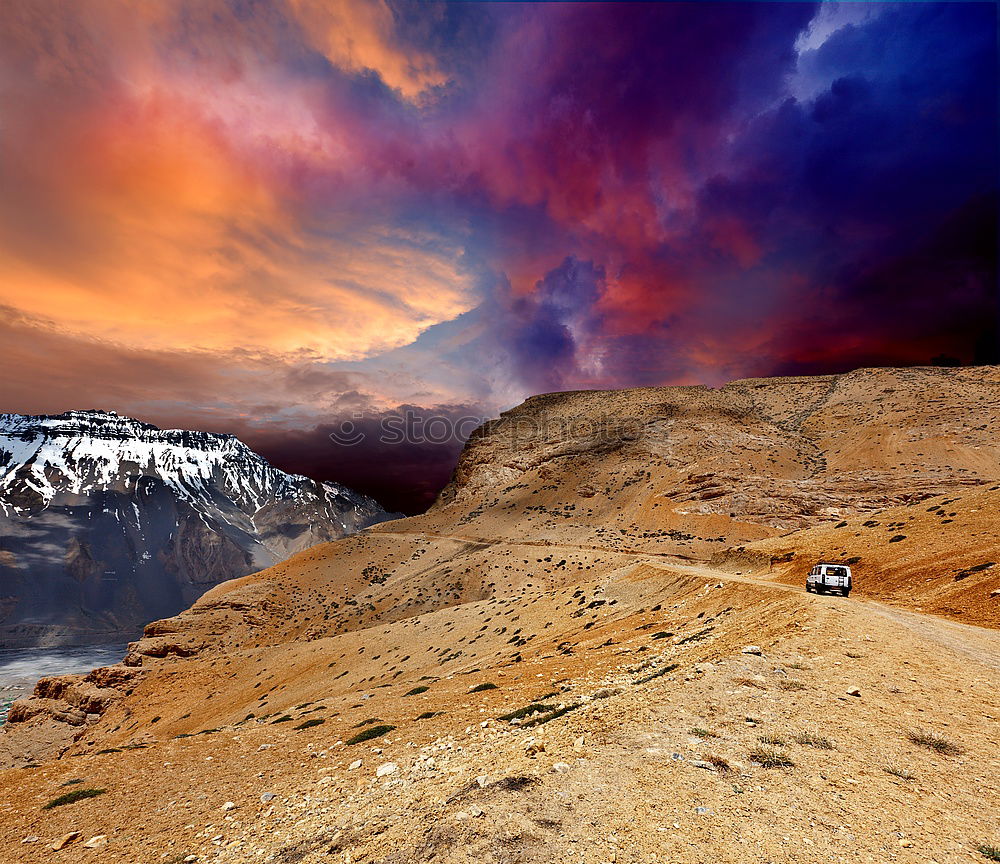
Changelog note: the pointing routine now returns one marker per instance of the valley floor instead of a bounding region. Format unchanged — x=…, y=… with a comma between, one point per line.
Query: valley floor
x=653, y=762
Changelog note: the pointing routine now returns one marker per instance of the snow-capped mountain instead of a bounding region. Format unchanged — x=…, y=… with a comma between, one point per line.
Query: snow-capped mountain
x=107, y=522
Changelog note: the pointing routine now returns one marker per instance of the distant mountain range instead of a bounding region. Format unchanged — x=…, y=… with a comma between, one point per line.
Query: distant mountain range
x=107, y=522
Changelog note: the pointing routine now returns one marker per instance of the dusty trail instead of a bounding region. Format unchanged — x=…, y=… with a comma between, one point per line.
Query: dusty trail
x=980, y=644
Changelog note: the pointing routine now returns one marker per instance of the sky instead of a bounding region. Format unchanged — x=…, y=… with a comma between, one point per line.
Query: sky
x=275, y=218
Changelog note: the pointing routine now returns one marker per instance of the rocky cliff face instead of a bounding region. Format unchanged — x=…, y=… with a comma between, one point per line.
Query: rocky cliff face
x=107, y=522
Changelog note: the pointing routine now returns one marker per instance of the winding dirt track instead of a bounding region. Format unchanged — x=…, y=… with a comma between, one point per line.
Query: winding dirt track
x=979, y=644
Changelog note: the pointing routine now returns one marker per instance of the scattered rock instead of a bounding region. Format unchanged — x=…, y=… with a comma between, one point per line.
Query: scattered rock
x=65, y=840
x=475, y=811
x=698, y=763
x=854, y=691
x=96, y=841
x=31, y=838
x=752, y=649
x=229, y=805
x=605, y=692
x=562, y=767
x=354, y=765
x=268, y=796
x=386, y=769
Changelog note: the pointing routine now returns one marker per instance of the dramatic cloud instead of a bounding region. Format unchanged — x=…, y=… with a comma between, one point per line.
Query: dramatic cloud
x=270, y=217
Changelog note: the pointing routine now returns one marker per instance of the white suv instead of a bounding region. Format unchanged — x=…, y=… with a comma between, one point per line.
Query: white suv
x=829, y=577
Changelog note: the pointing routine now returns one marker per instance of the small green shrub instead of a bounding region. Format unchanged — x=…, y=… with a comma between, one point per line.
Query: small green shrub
x=369, y=733
x=990, y=853
x=698, y=732
x=416, y=691
x=791, y=684
x=428, y=714
x=75, y=795
x=771, y=740
x=315, y=721
x=284, y=718
x=479, y=688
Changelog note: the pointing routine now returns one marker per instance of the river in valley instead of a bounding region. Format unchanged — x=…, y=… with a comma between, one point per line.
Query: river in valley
x=20, y=668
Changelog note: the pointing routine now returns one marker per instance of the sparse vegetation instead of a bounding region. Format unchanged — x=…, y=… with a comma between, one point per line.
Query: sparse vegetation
x=698, y=732
x=71, y=797
x=670, y=667
x=797, y=665
x=369, y=733
x=315, y=721
x=552, y=715
x=284, y=718
x=770, y=757
x=990, y=853
x=479, y=688
x=809, y=739
x=772, y=740
x=533, y=708
x=791, y=684
x=721, y=765
x=934, y=741
x=416, y=691
x=750, y=682
x=898, y=771
x=428, y=714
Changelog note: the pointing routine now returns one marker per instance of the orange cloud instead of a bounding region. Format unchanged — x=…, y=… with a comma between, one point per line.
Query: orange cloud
x=358, y=35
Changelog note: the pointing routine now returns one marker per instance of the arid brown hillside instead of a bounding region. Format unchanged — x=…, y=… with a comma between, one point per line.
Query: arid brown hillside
x=578, y=651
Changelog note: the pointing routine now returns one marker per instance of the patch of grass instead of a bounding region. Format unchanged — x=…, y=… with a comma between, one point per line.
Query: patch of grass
x=663, y=634
x=934, y=741
x=479, y=688
x=284, y=718
x=367, y=722
x=721, y=765
x=428, y=714
x=772, y=740
x=75, y=795
x=109, y=750
x=790, y=684
x=533, y=708
x=315, y=721
x=770, y=757
x=369, y=733
x=817, y=741
x=72, y=782
x=898, y=771
x=670, y=667
x=698, y=732
x=990, y=853
x=416, y=691
x=750, y=682
x=797, y=665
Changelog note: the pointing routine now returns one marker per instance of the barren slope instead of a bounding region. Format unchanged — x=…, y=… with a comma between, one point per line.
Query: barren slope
x=572, y=569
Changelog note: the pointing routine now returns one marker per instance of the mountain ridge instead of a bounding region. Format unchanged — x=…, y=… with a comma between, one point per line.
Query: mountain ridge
x=117, y=520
